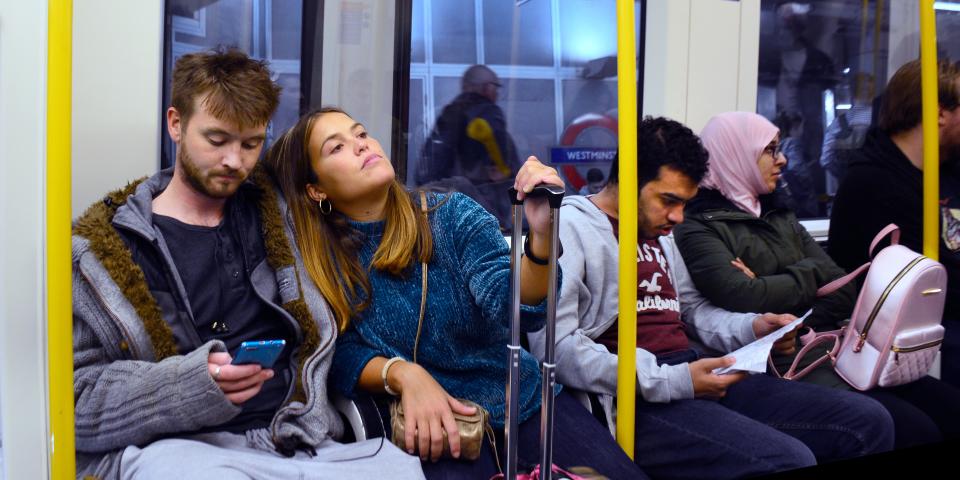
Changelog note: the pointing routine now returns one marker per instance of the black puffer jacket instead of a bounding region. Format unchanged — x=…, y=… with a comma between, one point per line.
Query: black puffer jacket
x=788, y=263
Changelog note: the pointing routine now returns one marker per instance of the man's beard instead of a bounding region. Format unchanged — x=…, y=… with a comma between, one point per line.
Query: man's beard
x=647, y=231
x=198, y=180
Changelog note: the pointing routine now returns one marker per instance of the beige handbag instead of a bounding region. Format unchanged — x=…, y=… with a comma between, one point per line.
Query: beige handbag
x=470, y=427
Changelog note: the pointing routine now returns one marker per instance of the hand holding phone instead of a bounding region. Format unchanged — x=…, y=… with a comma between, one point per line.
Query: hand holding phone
x=260, y=352
x=239, y=383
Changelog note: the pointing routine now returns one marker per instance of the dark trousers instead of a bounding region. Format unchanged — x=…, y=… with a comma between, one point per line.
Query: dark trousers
x=762, y=425
x=923, y=411
x=578, y=439
x=950, y=353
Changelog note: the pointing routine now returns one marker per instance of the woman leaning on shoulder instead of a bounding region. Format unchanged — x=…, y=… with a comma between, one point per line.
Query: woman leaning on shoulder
x=364, y=238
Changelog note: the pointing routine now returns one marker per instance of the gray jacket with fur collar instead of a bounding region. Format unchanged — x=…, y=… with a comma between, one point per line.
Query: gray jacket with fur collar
x=130, y=385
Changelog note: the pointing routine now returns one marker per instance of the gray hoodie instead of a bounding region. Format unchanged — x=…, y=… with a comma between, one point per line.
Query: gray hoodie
x=588, y=307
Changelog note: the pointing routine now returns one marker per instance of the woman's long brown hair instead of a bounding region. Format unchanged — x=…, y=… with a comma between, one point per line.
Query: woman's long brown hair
x=327, y=242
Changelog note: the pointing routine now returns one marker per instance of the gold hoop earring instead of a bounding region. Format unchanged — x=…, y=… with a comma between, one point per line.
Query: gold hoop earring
x=325, y=206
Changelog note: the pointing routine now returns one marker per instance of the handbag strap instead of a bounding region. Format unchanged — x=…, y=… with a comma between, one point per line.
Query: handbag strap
x=840, y=282
x=810, y=341
x=423, y=283
x=491, y=437
x=487, y=429
x=892, y=230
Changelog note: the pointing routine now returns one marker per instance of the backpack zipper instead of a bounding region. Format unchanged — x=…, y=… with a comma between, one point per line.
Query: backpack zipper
x=918, y=347
x=898, y=350
x=883, y=297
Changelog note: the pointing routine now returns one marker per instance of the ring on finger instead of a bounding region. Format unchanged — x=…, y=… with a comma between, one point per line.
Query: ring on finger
x=216, y=373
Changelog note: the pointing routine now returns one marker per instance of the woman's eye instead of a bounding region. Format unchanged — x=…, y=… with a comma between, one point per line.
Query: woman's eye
x=337, y=148
x=362, y=135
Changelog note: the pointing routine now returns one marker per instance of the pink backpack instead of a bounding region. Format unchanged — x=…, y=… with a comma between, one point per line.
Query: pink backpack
x=894, y=333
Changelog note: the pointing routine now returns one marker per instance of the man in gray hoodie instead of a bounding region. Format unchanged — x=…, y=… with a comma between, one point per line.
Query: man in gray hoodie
x=690, y=422
x=174, y=272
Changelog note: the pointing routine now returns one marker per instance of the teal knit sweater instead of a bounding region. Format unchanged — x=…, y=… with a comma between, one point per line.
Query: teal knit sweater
x=466, y=326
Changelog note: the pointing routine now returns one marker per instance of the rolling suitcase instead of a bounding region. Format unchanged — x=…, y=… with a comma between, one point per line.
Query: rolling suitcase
x=554, y=195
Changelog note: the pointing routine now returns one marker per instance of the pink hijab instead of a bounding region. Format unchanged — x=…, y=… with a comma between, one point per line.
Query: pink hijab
x=735, y=141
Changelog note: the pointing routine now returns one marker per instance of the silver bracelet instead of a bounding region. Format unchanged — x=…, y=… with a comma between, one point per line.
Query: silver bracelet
x=383, y=374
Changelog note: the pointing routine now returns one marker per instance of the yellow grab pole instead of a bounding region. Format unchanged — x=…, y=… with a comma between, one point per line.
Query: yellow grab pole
x=931, y=130
x=627, y=331
x=58, y=254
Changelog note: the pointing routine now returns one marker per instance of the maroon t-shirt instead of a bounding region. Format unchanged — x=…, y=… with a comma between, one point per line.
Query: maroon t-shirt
x=659, y=329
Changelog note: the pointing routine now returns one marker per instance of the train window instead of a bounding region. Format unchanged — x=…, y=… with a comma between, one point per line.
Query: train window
x=948, y=29
x=454, y=29
x=494, y=81
x=526, y=40
x=823, y=65
x=818, y=60
x=265, y=29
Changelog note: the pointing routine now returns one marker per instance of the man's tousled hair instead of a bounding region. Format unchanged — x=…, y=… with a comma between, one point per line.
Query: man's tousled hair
x=665, y=142
x=233, y=86
x=901, y=107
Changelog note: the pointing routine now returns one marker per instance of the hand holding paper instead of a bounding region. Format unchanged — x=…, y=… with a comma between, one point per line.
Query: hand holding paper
x=753, y=357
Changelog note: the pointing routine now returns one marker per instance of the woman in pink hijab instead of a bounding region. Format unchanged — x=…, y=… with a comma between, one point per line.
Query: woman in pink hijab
x=746, y=252
x=745, y=161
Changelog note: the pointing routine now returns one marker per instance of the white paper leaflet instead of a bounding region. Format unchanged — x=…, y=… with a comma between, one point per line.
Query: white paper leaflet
x=753, y=356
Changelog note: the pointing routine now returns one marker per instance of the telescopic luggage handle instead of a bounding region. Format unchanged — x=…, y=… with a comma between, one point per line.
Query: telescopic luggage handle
x=554, y=195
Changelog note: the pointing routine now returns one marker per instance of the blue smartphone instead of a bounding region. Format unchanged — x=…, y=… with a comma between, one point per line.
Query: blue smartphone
x=261, y=352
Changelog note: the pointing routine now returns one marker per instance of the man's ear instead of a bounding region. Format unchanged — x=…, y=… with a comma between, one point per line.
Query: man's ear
x=314, y=193
x=174, y=124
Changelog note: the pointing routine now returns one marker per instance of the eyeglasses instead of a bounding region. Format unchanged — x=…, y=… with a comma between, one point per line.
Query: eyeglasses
x=773, y=150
